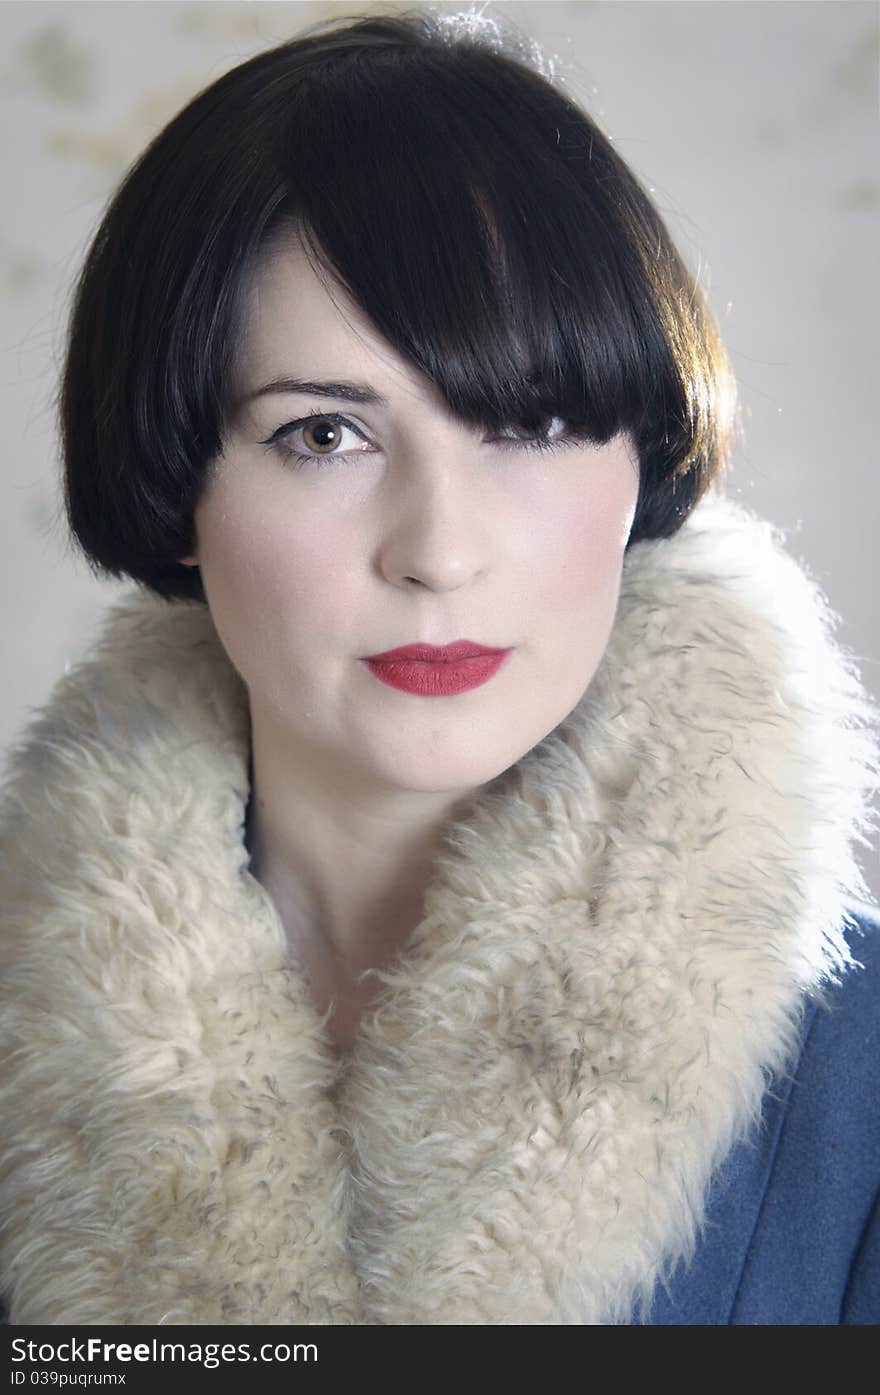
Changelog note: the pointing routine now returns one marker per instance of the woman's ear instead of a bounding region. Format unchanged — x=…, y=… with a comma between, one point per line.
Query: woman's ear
x=188, y=561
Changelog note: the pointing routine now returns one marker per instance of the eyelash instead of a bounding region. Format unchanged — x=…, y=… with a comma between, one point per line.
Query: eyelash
x=278, y=439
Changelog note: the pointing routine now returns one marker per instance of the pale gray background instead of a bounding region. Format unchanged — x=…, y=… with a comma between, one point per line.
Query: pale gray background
x=755, y=124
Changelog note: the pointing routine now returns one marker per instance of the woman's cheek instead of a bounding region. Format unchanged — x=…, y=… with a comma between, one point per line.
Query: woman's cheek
x=587, y=553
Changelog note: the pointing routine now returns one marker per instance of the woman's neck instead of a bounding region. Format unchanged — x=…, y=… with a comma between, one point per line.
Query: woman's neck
x=348, y=877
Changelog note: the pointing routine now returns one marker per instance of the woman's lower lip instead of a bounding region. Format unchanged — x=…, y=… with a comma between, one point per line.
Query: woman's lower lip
x=437, y=680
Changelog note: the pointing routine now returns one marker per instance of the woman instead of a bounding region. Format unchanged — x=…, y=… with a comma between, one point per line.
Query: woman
x=510, y=979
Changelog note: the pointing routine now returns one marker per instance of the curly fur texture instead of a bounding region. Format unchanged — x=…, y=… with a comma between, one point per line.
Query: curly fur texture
x=619, y=938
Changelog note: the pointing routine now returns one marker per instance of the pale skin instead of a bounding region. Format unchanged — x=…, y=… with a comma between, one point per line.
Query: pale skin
x=416, y=527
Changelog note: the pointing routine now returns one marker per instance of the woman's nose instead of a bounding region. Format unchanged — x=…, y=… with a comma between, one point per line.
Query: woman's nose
x=436, y=533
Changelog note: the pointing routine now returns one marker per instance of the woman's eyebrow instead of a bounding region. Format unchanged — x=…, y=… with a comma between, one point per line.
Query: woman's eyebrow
x=350, y=392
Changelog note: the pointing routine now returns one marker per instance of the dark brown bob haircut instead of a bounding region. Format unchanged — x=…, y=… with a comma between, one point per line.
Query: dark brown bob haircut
x=430, y=164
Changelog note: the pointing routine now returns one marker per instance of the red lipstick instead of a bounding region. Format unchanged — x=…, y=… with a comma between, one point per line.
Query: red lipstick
x=431, y=671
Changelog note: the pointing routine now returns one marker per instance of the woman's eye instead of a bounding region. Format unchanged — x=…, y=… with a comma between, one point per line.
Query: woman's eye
x=556, y=433
x=318, y=435
x=325, y=435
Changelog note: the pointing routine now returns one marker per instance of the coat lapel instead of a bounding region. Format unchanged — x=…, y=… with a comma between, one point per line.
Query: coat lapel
x=617, y=941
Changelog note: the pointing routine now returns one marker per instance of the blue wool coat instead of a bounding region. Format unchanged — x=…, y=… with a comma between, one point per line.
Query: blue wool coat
x=792, y=1232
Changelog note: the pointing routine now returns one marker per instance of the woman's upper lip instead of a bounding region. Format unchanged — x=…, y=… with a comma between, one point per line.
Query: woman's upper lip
x=438, y=654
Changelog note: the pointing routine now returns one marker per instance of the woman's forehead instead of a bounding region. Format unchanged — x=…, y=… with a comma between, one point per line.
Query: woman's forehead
x=302, y=324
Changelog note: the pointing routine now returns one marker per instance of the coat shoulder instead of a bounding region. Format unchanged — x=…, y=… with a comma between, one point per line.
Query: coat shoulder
x=792, y=1233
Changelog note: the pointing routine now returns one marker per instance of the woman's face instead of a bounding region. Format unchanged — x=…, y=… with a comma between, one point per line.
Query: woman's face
x=401, y=526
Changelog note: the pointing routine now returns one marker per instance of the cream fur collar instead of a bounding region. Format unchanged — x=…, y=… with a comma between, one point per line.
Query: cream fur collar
x=617, y=943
